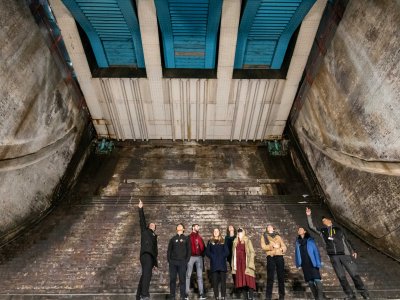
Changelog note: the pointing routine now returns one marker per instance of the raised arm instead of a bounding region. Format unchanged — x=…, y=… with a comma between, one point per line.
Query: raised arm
x=310, y=222
x=142, y=217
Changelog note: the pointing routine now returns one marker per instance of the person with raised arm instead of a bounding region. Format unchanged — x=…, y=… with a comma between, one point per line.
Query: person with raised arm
x=148, y=254
x=341, y=254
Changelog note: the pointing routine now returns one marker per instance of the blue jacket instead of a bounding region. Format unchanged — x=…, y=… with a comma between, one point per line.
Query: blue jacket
x=313, y=253
x=217, y=253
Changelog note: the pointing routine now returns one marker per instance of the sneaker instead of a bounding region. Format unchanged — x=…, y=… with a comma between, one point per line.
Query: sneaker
x=202, y=297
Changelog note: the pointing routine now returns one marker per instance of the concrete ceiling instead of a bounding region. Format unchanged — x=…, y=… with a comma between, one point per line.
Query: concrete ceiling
x=215, y=35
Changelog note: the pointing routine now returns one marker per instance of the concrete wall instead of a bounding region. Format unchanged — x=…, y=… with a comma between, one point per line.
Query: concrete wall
x=40, y=124
x=349, y=126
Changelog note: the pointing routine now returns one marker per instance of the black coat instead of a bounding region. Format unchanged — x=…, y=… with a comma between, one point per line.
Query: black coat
x=148, y=242
x=336, y=241
x=217, y=253
x=179, y=249
x=229, y=243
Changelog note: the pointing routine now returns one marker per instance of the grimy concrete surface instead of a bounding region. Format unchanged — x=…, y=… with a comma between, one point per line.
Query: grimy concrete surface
x=349, y=125
x=88, y=248
x=40, y=124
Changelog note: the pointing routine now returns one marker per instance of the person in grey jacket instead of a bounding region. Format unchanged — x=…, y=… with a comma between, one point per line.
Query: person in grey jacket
x=341, y=253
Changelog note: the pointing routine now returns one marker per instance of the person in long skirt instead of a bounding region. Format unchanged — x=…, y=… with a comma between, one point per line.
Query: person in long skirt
x=309, y=260
x=217, y=251
x=243, y=264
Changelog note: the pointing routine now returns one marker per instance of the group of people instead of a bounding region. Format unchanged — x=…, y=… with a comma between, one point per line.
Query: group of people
x=236, y=249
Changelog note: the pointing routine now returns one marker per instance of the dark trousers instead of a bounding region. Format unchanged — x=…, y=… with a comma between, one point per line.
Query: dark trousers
x=217, y=278
x=341, y=263
x=177, y=268
x=147, y=262
x=275, y=263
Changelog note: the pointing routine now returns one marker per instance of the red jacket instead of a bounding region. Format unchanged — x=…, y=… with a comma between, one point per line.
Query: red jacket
x=197, y=244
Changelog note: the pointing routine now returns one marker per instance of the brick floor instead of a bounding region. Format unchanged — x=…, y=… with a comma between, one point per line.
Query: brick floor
x=88, y=247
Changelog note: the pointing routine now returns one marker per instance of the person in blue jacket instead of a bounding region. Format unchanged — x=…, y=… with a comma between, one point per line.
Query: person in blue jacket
x=217, y=251
x=308, y=258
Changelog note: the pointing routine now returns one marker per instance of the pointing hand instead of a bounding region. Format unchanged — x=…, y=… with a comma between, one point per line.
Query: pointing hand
x=140, y=205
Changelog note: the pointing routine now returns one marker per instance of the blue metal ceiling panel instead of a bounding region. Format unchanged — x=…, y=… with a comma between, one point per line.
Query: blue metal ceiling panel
x=189, y=32
x=265, y=30
x=112, y=29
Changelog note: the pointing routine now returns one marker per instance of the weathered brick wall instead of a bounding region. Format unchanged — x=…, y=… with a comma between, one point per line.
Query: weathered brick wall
x=349, y=123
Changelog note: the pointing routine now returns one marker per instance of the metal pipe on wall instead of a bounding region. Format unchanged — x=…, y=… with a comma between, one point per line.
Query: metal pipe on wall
x=171, y=108
x=260, y=113
x=128, y=110
x=197, y=109
x=188, y=118
x=141, y=109
x=135, y=104
x=238, y=91
x=113, y=103
x=182, y=105
x=205, y=110
x=273, y=95
x=110, y=112
x=252, y=109
x=249, y=86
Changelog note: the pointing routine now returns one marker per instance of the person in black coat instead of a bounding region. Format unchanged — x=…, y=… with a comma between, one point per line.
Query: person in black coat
x=229, y=238
x=178, y=255
x=148, y=254
x=341, y=253
x=218, y=251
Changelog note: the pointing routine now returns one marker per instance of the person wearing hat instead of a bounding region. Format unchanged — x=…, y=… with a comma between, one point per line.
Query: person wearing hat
x=178, y=255
x=148, y=254
x=275, y=248
x=243, y=265
x=341, y=254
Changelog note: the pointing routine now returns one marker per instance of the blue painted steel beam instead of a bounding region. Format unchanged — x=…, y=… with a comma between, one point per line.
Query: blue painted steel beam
x=189, y=32
x=214, y=17
x=164, y=21
x=133, y=25
x=246, y=22
x=286, y=35
x=91, y=33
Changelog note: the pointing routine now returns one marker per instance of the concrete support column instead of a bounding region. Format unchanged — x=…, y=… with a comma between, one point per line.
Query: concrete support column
x=226, y=55
x=304, y=43
x=152, y=57
x=76, y=52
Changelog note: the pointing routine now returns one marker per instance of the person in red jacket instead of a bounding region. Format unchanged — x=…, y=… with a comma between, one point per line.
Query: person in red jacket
x=197, y=247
